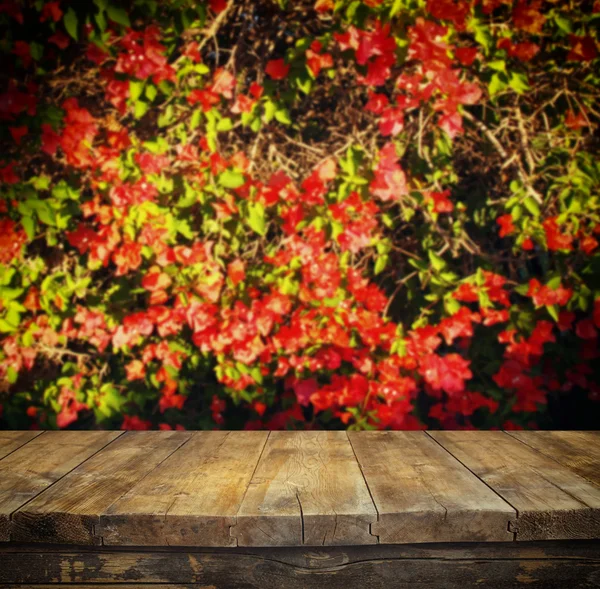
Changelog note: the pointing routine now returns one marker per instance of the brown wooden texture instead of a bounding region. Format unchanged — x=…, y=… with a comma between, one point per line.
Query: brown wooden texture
x=552, y=501
x=422, y=493
x=192, y=498
x=39, y=463
x=67, y=511
x=552, y=565
x=307, y=490
x=579, y=451
x=10, y=441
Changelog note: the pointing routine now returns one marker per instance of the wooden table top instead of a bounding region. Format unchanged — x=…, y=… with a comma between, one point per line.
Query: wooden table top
x=221, y=489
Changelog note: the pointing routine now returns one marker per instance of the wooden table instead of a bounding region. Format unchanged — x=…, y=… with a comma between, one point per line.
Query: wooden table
x=300, y=509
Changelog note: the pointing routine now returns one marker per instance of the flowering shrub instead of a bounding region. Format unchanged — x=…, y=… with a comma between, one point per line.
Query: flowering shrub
x=364, y=214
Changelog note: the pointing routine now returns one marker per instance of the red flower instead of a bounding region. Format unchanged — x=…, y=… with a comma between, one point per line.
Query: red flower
x=236, y=271
x=156, y=280
x=391, y=122
x=12, y=240
x=217, y=6
x=445, y=373
x=585, y=329
x=51, y=10
x=127, y=257
x=527, y=244
x=22, y=50
x=277, y=69
x=467, y=293
x=576, y=121
x=527, y=16
x=582, y=48
x=507, y=226
x=459, y=325
x=441, y=202
x=466, y=55
x=8, y=174
x=133, y=422
x=596, y=315
x=554, y=238
x=544, y=295
x=315, y=60
x=18, y=133
x=59, y=39
x=324, y=5
x=135, y=370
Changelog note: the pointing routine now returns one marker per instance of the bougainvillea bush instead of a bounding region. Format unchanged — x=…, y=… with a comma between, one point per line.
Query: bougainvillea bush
x=260, y=214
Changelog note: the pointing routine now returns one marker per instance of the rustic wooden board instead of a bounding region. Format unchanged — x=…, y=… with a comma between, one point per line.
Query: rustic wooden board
x=423, y=494
x=552, y=501
x=39, y=463
x=444, y=566
x=11, y=441
x=307, y=490
x=68, y=511
x=579, y=451
x=192, y=498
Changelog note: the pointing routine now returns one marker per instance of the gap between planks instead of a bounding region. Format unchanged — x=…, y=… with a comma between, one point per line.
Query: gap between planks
x=510, y=528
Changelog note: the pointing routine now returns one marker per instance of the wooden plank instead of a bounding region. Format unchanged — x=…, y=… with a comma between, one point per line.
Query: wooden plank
x=307, y=490
x=423, y=494
x=552, y=502
x=192, y=498
x=35, y=466
x=442, y=566
x=578, y=451
x=11, y=441
x=68, y=511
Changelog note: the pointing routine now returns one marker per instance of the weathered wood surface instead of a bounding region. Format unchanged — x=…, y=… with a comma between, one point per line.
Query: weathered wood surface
x=421, y=492
x=40, y=462
x=222, y=489
x=11, y=441
x=552, y=565
x=578, y=451
x=553, y=502
x=307, y=490
x=192, y=498
x=68, y=511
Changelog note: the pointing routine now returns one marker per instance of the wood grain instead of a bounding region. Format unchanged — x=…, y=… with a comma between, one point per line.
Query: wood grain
x=307, y=490
x=552, y=502
x=578, y=451
x=67, y=511
x=423, y=494
x=443, y=566
x=11, y=441
x=39, y=463
x=192, y=498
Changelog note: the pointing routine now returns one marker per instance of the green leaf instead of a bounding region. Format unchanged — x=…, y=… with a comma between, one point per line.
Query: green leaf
x=519, y=83
x=270, y=109
x=437, y=262
x=497, y=84
x=231, y=179
x=532, y=206
x=140, y=109
x=118, y=15
x=29, y=226
x=136, y=87
x=563, y=23
x=71, y=24
x=151, y=92
x=12, y=375
x=283, y=116
x=553, y=310
x=256, y=217
x=224, y=125
x=381, y=264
